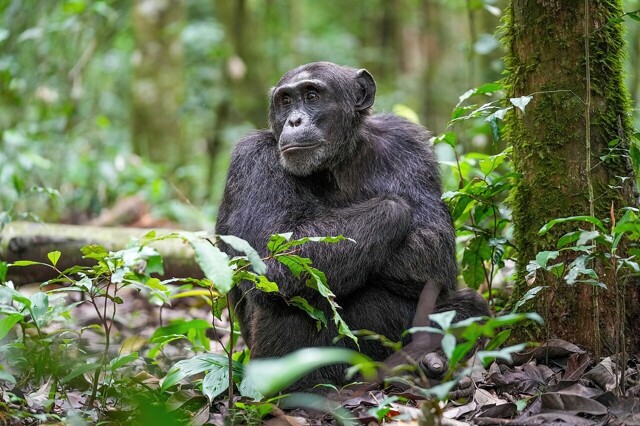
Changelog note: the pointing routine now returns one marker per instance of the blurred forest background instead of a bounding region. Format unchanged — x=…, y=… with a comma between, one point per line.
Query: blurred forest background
x=101, y=100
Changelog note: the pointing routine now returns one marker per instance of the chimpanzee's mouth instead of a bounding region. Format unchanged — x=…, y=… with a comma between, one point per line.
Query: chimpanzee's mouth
x=298, y=147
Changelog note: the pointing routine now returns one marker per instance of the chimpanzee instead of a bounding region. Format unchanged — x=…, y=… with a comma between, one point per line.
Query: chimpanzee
x=326, y=167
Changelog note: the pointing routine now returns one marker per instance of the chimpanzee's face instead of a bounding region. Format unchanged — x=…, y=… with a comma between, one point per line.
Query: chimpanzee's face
x=314, y=116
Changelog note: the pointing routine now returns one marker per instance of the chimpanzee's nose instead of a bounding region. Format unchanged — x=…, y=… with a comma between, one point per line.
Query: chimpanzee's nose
x=295, y=121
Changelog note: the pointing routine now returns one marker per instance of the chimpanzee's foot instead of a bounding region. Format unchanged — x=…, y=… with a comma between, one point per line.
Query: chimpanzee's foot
x=434, y=364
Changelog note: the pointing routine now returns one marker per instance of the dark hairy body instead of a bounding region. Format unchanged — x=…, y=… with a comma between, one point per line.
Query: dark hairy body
x=328, y=167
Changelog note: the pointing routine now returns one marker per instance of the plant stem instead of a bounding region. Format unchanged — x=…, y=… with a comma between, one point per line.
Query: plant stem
x=230, y=352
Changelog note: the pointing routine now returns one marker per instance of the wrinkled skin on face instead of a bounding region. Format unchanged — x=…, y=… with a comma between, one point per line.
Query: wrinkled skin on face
x=310, y=110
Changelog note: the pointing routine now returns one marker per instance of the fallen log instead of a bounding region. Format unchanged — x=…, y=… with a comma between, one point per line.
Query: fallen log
x=32, y=241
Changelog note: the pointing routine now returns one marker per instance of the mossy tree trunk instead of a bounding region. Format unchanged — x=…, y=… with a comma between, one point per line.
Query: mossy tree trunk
x=569, y=56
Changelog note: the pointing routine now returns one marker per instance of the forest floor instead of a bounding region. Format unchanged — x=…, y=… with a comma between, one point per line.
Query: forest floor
x=555, y=383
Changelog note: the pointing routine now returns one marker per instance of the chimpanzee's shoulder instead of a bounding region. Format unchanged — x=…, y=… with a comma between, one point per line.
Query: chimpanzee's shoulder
x=254, y=145
x=401, y=127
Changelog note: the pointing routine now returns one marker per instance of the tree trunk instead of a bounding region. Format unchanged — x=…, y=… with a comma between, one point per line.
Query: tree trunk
x=569, y=56
x=634, y=39
x=32, y=241
x=158, y=83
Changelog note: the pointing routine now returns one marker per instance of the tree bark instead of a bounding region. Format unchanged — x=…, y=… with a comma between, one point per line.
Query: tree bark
x=569, y=56
x=32, y=241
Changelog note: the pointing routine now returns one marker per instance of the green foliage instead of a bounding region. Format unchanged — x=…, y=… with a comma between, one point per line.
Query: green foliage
x=482, y=182
x=100, y=284
x=578, y=251
x=270, y=376
x=460, y=339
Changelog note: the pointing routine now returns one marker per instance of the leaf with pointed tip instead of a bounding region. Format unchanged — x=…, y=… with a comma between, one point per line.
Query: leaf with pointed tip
x=54, y=256
x=241, y=245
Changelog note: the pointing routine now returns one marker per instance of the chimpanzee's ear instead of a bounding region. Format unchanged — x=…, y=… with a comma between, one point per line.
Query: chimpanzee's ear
x=368, y=90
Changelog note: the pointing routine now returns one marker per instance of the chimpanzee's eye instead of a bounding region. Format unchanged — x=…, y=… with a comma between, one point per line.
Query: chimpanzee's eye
x=311, y=96
x=286, y=100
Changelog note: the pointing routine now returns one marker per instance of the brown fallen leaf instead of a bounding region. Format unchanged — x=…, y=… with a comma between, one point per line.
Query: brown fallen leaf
x=576, y=366
x=571, y=404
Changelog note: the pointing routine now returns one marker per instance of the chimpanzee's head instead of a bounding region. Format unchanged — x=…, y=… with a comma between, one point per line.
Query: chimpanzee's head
x=315, y=115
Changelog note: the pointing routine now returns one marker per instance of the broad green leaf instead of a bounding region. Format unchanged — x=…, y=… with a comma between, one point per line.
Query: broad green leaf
x=155, y=265
x=313, y=312
x=578, y=268
x=495, y=127
x=276, y=242
x=39, y=307
x=485, y=89
x=527, y=296
x=80, y=370
x=149, y=235
x=180, y=327
x=498, y=340
x=489, y=88
x=318, y=281
x=586, y=236
x=7, y=323
x=443, y=319
x=249, y=391
x=589, y=219
x=449, y=138
x=475, y=254
x=492, y=162
x=181, y=397
x=213, y=262
x=461, y=350
x=462, y=206
x=543, y=257
x=194, y=365
x=54, y=256
x=25, y=263
x=487, y=357
x=155, y=284
x=215, y=382
x=521, y=102
x=122, y=360
x=459, y=111
x=466, y=95
x=269, y=376
x=265, y=285
x=505, y=320
x=94, y=251
x=343, y=327
x=448, y=344
x=241, y=245
x=296, y=264
x=568, y=238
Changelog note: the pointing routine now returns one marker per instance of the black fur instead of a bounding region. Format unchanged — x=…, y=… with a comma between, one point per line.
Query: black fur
x=373, y=178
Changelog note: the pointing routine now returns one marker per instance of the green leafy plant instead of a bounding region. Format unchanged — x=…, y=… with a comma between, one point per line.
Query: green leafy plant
x=578, y=250
x=99, y=284
x=482, y=219
x=460, y=339
x=224, y=373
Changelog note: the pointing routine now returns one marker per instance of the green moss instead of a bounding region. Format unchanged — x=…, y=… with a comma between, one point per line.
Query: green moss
x=545, y=48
